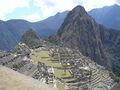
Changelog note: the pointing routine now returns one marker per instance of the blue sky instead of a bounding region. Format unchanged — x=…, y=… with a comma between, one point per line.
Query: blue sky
x=36, y=10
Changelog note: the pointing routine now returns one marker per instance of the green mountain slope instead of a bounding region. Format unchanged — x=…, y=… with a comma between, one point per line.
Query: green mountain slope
x=30, y=39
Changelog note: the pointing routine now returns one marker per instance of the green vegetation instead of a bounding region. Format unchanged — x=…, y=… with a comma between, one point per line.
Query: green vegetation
x=43, y=56
x=60, y=85
x=116, y=79
x=53, y=39
x=61, y=73
x=117, y=87
x=31, y=39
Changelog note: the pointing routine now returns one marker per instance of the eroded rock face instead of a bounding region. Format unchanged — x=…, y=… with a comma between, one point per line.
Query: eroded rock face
x=80, y=30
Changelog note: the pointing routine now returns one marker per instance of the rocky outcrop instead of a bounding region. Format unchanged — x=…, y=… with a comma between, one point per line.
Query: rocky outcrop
x=81, y=30
x=30, y=39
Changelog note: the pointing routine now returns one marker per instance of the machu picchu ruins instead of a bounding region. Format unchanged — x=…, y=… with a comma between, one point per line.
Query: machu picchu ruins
x=77, y=71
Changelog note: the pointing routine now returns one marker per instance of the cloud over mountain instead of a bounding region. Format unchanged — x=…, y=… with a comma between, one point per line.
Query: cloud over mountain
x=20, y=9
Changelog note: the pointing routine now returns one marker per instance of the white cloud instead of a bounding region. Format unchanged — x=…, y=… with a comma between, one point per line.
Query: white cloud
x=118, y=2
x=91, y=4
x=51, y=7
x=33, y=17
x=8, y=6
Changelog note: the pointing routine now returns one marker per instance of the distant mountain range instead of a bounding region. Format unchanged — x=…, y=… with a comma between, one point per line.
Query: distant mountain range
x=109, y=16
x=12, y=30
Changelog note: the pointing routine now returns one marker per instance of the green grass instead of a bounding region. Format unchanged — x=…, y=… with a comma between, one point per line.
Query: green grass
x=60, y=73
x=117, y=87
x=116, y=79
x=60, y=85
x=43, y=56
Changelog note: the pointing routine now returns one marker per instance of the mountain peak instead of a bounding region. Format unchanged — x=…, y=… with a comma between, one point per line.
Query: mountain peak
x=30, y=39
x=79, y=9
x=30, y=33
x=79, y=30
x=116, y=5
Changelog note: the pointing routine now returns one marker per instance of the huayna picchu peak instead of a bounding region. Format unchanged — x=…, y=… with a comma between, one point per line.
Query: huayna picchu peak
x=80, y=30
x=79, y=9
x=93, y=40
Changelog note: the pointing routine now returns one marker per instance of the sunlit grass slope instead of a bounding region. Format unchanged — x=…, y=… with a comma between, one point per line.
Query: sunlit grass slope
x=12, y=80
x=43, y=56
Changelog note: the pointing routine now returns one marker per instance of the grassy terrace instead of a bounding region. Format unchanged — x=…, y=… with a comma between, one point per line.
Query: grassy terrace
x=43, y=56
x=117, y=87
